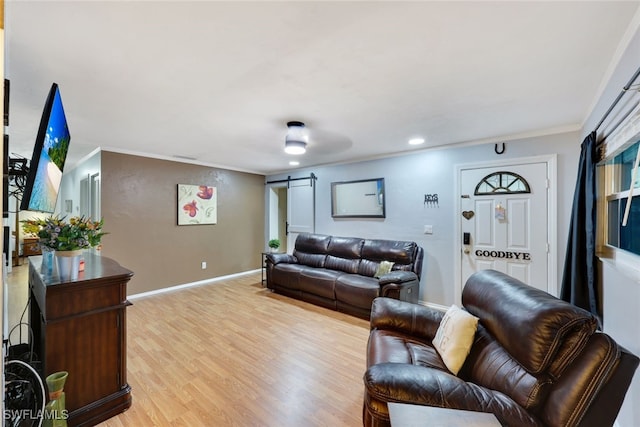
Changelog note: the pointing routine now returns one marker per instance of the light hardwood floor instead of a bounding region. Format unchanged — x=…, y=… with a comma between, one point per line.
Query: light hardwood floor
x=232, y=353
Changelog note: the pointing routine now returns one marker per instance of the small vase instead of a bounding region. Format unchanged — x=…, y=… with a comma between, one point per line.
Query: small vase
x=68, y=263
x=47, y=261
x=55, y=412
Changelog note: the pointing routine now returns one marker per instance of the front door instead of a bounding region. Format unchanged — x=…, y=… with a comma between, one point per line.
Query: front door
x=504, y=222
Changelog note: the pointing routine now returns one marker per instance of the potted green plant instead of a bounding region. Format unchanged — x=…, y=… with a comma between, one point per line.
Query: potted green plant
x=274, y=244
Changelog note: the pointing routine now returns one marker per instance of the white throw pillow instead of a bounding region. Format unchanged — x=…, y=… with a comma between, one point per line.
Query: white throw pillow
x=454, y=337
x=384, y=268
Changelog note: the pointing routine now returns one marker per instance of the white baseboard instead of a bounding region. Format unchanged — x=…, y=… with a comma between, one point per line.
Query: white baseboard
x=189, y=285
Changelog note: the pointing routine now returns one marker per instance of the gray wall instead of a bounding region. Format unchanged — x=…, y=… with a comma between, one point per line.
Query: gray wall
x=620, y=293
x=409, y=177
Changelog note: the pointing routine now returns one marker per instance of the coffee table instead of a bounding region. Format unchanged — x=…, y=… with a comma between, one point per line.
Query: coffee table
x=405, y=415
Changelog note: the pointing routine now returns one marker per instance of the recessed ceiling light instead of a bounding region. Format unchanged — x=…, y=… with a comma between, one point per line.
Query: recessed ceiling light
x=294, y=163
x=416, y=141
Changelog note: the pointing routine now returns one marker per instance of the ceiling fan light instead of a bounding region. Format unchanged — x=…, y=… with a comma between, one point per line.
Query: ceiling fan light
x=296, y=140
x=295, y=147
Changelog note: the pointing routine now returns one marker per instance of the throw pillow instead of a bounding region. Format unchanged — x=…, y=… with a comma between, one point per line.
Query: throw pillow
x=383, y=268
x=454, y=337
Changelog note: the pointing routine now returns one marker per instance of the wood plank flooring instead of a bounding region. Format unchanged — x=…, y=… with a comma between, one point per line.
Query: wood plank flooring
x=232, y=353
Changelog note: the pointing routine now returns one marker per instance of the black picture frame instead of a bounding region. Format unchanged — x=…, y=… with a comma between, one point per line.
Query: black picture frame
x=363, y=198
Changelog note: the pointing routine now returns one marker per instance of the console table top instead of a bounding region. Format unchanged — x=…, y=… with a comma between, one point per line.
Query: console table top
x=95, y=267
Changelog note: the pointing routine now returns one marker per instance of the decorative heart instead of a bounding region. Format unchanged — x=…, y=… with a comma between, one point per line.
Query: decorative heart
x=468, y=214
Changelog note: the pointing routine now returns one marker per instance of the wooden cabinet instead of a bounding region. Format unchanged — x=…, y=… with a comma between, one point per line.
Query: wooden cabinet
x=30, y=246
x=80, y=327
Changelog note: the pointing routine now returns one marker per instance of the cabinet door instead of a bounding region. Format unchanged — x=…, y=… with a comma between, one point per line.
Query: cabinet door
x=89, y=348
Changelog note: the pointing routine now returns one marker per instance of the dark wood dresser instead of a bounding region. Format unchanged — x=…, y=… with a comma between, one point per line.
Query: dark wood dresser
x=80, y=327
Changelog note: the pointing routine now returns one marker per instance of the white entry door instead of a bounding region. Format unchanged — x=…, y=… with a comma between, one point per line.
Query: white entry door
x=504, y=222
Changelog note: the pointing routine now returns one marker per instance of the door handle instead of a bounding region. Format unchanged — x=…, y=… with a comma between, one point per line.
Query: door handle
x=286, y=228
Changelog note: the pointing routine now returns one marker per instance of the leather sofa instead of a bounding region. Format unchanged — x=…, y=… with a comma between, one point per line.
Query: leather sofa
x=338, y=272
x=535, y=360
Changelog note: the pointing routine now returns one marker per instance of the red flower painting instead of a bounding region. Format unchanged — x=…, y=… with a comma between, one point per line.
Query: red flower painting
x=197, y=204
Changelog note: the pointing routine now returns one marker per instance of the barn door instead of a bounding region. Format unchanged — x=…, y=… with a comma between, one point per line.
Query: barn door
x=300, y=208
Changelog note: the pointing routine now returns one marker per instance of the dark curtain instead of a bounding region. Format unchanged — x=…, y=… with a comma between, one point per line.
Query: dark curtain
x=580, y=279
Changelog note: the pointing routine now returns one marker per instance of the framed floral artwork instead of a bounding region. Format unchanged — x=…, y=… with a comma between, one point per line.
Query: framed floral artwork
x=197, y=204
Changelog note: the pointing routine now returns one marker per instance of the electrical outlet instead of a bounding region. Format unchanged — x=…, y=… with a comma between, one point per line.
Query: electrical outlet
x=428, y=229
x=204, y=265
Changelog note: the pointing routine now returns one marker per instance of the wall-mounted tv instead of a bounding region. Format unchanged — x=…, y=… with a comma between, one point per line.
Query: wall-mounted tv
x=49, y=154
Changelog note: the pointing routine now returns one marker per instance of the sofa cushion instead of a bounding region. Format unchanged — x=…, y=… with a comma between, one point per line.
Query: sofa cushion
x=286, y=275
x=556, y=331
x=342, y=264
x=312, y=243
x=389, y=250
x=401, y=253
x=357, y=290
x=345, y=247
x=454, y=337
x=311, y=249
x=368, y=267
x=312, y=260
x=390, y=346
x=343, y=254
x=319, y=281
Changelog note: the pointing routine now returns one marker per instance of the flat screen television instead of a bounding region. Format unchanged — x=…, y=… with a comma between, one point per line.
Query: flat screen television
x=49, y=154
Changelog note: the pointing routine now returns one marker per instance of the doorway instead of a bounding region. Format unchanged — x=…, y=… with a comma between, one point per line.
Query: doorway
x=278, y=216
x=291, y=209
x=506, y=220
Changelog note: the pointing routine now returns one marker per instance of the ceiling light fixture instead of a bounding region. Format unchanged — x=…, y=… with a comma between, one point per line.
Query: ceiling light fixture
x=294, y=163
x=296, y=140
x=416, y=141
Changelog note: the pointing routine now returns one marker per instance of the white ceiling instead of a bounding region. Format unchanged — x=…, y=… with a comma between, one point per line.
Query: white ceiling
x=217, y=81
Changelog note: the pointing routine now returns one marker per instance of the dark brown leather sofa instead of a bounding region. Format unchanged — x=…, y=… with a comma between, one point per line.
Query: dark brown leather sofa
x=535, y=360
x=338, y=272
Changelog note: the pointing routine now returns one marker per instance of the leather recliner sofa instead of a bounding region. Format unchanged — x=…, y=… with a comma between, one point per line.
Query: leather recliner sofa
x=535, y=360
x=338, y=272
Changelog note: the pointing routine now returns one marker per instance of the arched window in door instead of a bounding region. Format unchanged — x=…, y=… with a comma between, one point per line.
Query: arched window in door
x=502, y=182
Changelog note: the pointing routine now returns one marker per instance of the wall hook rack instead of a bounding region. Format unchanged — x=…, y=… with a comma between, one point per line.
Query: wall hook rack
x=431, y=199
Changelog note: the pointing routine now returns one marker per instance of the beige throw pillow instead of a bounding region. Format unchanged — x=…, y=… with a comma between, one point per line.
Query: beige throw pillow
x=454, y=337
x=383, y=268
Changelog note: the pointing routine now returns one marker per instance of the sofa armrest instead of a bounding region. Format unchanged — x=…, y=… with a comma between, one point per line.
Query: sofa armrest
x=405, y=317
x=402, y=285
x=399, y=276
x=278, y=258
x=419, y=385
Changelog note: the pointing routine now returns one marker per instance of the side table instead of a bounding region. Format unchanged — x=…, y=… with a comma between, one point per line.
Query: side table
x=264, y=266
x=405, y=415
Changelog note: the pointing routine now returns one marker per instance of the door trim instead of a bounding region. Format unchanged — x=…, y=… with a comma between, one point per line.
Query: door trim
x=552, y=217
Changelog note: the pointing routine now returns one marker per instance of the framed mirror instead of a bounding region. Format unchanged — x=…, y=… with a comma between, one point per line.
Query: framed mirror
x=358, y=199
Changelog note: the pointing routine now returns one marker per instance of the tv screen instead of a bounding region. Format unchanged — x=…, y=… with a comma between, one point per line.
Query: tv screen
x=49, y=155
